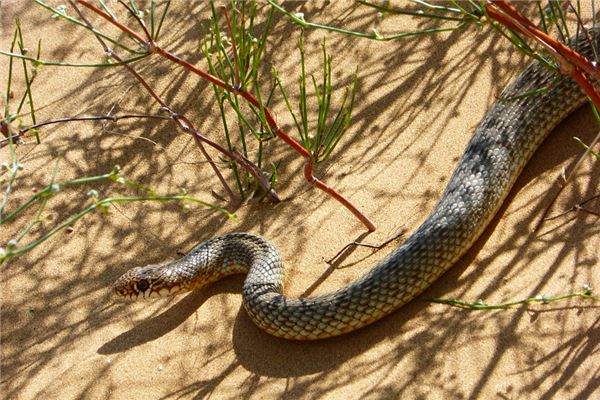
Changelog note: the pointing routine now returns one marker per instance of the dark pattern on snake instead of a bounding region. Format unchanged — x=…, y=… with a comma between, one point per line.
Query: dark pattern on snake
x=501, y=146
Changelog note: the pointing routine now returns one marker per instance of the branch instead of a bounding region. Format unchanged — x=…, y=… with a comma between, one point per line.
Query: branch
x=526, y=27
x=585, y=294
x=18, y=135
x=187, y=128
x=153, y=47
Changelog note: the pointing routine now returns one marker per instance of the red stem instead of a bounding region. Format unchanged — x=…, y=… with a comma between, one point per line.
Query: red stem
x=152, y=47
x=526, y=26
x=576, y=62
x=113, y=21
x=248, y=96
x=308, y=174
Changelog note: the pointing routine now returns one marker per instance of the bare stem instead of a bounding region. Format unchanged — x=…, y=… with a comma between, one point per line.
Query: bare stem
x=236, y=66
x=577, y=207
x=18, y=135
x=137, y=18
x=370, y=246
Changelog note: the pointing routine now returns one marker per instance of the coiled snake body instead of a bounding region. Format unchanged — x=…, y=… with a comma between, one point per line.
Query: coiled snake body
x=502, y=145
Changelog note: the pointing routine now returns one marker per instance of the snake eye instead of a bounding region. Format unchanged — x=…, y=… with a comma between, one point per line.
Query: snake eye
x=142, y=285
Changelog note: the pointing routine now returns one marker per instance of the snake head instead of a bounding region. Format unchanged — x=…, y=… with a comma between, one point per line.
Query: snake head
x=140, y=283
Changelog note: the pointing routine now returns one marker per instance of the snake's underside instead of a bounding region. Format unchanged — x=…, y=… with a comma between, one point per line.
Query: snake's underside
x=501, y=146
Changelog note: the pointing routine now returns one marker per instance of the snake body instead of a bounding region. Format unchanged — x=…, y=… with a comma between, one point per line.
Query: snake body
x=499, y=149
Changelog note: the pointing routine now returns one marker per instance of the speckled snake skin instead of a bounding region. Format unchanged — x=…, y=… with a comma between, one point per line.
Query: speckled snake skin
x=502, y=145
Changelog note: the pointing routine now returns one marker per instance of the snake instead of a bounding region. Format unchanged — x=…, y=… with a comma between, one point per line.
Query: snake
x=499, y=149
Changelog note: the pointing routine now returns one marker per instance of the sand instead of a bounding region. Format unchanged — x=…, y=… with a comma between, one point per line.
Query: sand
x=419, y=101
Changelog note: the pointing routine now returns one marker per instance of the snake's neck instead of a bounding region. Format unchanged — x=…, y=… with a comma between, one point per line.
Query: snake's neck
x=231, y=254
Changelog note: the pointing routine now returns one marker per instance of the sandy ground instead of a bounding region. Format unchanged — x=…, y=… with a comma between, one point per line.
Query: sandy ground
x=419, y=101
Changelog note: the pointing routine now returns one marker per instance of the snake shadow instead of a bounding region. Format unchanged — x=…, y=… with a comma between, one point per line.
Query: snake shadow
x=168, y=320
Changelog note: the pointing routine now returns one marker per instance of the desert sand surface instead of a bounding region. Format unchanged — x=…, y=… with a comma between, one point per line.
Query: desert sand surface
x=419, y=100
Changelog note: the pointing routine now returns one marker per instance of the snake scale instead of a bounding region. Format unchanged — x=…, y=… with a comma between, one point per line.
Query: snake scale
x=498, y=151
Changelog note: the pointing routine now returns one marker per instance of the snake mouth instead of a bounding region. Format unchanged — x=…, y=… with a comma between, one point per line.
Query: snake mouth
x=118, y=298
x=132, y=297
x=127, y=294
x=121, y=297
